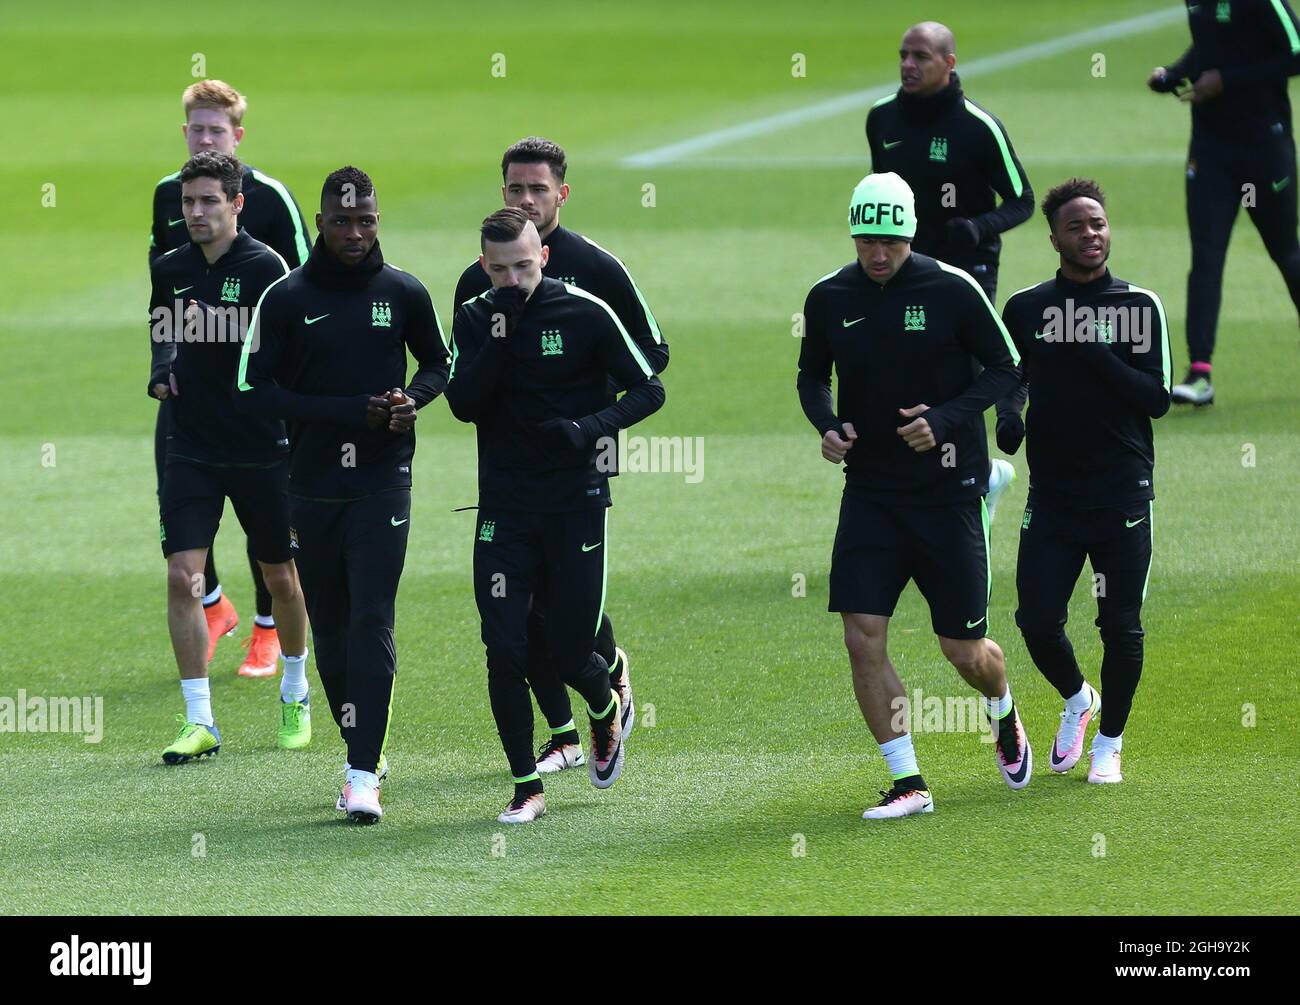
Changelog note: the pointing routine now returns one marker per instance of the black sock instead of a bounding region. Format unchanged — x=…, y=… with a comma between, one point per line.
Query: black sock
x=568, y=736
x=525, y=789
x=910, y=783
x=1006, y=729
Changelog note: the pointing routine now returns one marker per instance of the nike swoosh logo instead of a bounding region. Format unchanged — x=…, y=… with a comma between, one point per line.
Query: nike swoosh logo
x=172, y=223
x=312, y=321
x=890, y=146
x=1279, y=185
x=972, y=624
x=177, y=293
x=1019, y=776
x=849, y=324
x=1133, y=523
x=396, y=522
x=592, y=547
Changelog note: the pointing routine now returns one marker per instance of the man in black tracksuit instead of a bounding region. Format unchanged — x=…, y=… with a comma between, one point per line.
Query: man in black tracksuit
x=532, y=362
x=214, y=113
x=1096, y=367
x=203, y=296
x=902, y=331
x=532, y=174
x=328, y=341
x=956, y=157
x=1242, y=153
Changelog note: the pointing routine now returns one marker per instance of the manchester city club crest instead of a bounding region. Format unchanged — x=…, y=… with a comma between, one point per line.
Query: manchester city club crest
x=913, y=319
x=230, y=290
x=552, y=343
x=381, y=314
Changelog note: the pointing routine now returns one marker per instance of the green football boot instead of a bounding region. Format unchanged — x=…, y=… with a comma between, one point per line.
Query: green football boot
x=295, y=725
x=194, y=740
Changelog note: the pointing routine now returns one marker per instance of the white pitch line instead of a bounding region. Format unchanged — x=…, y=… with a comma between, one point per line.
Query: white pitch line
x=862, y=99
x=837, y=161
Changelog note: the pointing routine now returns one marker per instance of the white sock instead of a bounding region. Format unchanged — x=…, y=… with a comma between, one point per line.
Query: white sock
x=900, y=757
x=264, y=621
x=293, y=683
x=1081, y=701
x=362, y=778
x=1107, y=744
x=198, y=701
x=212, y=597
x=999, y=707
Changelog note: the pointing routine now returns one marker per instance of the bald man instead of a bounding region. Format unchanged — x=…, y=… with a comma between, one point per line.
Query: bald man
x=956, y=157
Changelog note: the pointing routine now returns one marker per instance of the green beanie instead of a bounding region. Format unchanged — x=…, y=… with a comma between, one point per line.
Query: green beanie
x=882, y=206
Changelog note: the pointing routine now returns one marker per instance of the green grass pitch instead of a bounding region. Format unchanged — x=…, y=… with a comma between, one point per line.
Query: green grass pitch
x=745, y=794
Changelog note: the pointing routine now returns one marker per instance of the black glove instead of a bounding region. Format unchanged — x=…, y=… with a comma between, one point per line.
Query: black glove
x=509, y=302
x=963, y=234
x=1167, y=83
x=568, y=436
x=1010, y=432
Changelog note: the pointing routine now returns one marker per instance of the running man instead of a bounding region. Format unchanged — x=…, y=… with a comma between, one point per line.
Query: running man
x=207, y=288
x=1242, y=153
x=902, y=332
x=328, y=352
x=1096, y=366
x=532, y=363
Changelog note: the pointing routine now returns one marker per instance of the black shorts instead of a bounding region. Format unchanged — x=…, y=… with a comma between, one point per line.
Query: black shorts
x=880, y=546
x=194, y=496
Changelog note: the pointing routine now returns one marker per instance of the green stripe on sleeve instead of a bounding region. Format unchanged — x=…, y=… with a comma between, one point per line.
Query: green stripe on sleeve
x=1016, y=185
x=1164, y=331
x=650, y=318
x=1006, y=336
x=247, y=351
x=631, y=345
x=1292, y=38
x=299, y=230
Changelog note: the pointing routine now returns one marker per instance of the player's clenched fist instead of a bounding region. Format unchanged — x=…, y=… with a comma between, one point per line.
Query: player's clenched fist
x=835, y=446
x=917, y=434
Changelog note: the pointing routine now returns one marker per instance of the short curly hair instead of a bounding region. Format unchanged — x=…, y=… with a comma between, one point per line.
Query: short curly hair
x=1074, y=188
x=336, y=183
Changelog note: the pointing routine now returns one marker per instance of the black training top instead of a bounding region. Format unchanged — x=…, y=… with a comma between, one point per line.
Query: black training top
x=1255, y=46
x=957, y=158
x=554, y=363
x=908, y=342
x=1096, y=365
x=326, y=338
x=203, y=423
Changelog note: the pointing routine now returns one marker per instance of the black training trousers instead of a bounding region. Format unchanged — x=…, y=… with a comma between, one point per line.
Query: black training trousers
x=556, y=561
x=1221, y=178
x=1054, y=541
x=350, y=556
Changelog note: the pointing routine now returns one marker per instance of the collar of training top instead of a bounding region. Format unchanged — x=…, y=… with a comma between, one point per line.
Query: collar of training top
x=927, y=107
x=1070, y=286
x=324, y=269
